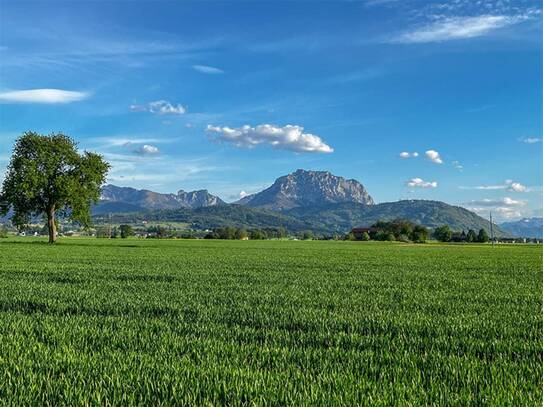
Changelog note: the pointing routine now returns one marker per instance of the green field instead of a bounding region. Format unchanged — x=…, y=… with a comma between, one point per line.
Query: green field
x=269, y=322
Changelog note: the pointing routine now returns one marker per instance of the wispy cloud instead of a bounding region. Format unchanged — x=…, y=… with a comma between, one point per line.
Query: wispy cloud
x=420, y=183
x=530, y=140
x=210, y=70
x=49, y=96
x=160, y=107
x=288, y=137
x=509, y=185
x=458, y=165
x=507, y=201
x=457, y=28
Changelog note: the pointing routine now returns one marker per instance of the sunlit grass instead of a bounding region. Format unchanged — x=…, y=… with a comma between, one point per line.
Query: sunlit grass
x=93, y=321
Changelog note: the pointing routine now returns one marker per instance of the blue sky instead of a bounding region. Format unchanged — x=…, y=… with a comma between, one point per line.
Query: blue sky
x=230, y=95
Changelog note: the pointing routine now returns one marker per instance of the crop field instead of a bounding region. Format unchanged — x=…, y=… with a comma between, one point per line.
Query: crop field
x=159, y=322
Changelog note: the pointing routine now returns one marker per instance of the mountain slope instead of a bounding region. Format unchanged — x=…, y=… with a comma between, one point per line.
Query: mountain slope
x=342, y=217
x=308, y=189
x=153, y=200
x=213, y=217
x=527, y=227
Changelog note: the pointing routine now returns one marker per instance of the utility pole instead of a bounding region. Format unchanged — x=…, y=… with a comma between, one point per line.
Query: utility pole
x=491, y=230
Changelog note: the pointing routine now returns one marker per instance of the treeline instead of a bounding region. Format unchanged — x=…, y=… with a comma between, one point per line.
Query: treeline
x=445, y=234
x=397, y=230
x=232, y=233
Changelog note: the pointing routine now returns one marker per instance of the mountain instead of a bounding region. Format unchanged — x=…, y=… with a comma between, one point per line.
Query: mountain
x=142, y=199
x=308, y=189
x=342, y=217
x=211, y=217
x=527, y=227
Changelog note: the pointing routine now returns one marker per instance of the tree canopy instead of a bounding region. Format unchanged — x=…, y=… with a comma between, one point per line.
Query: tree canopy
x=46, y=176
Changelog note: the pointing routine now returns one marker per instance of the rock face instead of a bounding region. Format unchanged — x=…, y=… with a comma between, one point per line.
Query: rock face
x=153, y=200
x=308, y=189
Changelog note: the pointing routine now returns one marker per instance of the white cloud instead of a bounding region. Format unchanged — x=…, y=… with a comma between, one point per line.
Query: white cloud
x=455, y=28
x=458, y=166
x=530, y=140
x=434, y=156
x=148, y=149
x=406, y=154
x=515, y=186
x=509, y=185
x=498, y=212
x=243, y=194
x=42, y=96
x=288, y=137
x=160, y=107
x=507, y=201
x=207, y=69
x=420, y=183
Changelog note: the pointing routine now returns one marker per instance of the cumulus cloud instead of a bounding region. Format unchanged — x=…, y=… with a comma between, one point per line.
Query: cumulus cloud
x=242, y=194
x=160, y=107
x=420, y=183
x=210, y=70
x=499, y=212
x=148, y=149
x=50, y=96
x=289, y=137
x=530, y=140
x=406, y=154
x=434, y=156
x=515, y=186
x=456, y=28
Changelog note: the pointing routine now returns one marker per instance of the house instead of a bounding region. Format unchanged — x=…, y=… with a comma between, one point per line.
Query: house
x=358, y=232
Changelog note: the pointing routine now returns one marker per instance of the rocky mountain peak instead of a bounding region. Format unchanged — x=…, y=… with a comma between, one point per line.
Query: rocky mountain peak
x=309, y=188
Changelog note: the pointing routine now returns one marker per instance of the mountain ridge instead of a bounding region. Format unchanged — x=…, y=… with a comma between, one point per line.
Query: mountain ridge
x=305, y=188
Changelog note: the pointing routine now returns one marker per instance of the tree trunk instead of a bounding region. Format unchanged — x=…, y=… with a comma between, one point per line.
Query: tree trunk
x=51, y=225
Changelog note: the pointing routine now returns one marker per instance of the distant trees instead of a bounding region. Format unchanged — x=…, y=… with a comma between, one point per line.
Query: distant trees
x=482, y=237
x=419, y=234
x=232, y=233
x=126, y=231
x=396, y=230
x=443, y=233
x=46, y=176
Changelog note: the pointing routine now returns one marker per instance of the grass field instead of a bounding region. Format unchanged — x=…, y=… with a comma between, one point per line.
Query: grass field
x=284, y=323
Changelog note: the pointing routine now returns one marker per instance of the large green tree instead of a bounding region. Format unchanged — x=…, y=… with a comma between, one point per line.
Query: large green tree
x=47, y=176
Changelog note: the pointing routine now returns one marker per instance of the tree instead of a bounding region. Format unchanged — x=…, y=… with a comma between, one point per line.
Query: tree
x=307, y=235
x=365, y=237
x=482, y=237
x=350, y=236
x=471, y=236
x=443, y=233
x=241, y=234
x=419, y=234
x=3, y=232
x=46, y=176
x=126, y=231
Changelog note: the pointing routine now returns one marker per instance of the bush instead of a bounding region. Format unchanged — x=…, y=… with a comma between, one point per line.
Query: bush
x=419, y=234
x=443, y=233
x=365, y=237
x=3, y=232
x=482, y=237
x=126, y=231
